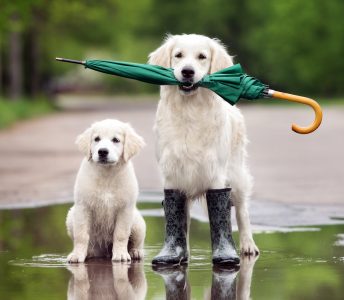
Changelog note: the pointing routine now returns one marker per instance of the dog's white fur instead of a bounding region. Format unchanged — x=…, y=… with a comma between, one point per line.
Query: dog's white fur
x=201, y=139
x=105, y=194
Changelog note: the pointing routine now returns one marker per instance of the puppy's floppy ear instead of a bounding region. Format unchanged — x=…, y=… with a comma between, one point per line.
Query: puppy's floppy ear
x=220, y=58
x=162, y=55
x=133, y=143
x=83, y=141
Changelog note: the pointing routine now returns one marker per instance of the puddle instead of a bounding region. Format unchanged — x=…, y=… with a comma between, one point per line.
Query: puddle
x=294, y=264
x=41, y=261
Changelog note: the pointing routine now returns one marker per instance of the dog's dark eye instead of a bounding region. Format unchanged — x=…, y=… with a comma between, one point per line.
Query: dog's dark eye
x=97, y=139
x=202, y=56
x=179, y=55
x=115, y=140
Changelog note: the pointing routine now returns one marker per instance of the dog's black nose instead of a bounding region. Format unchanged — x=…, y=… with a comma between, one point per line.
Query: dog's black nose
x=188, y=72
x=103, y=152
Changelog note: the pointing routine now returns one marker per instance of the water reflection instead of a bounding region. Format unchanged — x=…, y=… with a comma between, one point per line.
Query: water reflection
x=223, y=284
x=309, y=269
x=245, y=277
x=226, y=283
x=176, y=281
x=100, y=279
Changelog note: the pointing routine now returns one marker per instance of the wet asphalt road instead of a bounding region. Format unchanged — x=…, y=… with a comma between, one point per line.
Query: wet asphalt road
x=39, y=161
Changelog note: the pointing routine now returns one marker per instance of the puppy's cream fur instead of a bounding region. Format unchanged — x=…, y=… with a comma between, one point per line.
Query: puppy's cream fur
x=104, y=217
x=201, y=139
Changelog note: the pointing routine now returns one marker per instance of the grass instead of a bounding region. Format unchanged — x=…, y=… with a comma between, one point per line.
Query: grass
x=330, y=101
x=13, y=111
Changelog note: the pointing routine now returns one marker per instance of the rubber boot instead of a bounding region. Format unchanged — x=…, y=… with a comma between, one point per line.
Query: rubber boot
x=219, y=210
x=174, y=251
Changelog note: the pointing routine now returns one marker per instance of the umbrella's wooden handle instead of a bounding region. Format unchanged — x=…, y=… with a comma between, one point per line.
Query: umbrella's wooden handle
x=299, y=99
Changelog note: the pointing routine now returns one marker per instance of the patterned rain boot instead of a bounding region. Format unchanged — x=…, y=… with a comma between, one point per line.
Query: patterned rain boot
x=174, y=251
x=219, y=210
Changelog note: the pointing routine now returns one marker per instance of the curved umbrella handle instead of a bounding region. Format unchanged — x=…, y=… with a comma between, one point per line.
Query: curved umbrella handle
x=299, y=99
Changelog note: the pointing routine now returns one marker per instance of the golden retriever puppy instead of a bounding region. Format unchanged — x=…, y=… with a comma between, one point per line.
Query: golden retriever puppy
x=104, y=220
x=201, y=149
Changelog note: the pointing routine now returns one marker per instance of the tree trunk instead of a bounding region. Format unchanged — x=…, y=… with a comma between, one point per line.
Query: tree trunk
x=15, y=62
x=33, y=63
x=1, y=84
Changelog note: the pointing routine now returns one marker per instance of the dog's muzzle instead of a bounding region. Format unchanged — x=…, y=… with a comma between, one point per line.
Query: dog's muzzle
x=188, y=85
x=103, y=155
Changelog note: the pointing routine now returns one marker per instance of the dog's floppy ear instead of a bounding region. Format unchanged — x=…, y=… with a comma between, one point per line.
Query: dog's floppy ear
x=220, y=58
x=83, y=141
x=133, y=143
x=162, y=55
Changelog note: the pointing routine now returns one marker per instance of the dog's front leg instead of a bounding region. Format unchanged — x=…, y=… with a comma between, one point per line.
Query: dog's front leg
x=121, y=235
x=81, y=237
x=247, y=244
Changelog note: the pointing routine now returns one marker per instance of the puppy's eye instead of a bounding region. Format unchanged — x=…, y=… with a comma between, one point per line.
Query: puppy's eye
x=179, y=55
x=202, y=56
x=97, y=139
x=115, y=140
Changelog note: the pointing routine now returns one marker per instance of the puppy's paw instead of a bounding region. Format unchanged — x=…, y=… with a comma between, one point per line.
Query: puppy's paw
x=120, y=255
x=76, y=258
x=136, y=254
x=248, y=246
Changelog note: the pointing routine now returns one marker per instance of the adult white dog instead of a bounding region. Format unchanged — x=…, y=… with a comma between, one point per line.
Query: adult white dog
x=104, y=218
x=201, y=149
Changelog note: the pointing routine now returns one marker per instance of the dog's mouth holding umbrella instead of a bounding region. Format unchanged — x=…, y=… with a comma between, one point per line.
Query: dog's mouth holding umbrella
x=188, y=87
x=230, y=83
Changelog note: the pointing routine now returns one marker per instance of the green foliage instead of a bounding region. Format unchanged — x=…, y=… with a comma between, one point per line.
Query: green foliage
x=292, y=45
x=298, y=44
x=22, y=109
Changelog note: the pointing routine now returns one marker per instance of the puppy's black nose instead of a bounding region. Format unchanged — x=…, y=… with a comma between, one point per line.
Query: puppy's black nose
x=188, y=72
x=103, y=152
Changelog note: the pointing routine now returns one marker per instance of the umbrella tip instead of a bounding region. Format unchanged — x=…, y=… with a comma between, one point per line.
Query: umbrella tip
x=80, y=62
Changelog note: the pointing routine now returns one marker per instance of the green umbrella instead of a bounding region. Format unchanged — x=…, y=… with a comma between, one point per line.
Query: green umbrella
x=230, y=83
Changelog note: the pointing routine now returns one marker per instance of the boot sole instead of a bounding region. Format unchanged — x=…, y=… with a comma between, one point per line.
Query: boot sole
x=228, y=261
x=182, y=261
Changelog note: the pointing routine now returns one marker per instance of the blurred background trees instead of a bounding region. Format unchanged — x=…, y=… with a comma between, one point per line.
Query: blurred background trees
x=296, y=46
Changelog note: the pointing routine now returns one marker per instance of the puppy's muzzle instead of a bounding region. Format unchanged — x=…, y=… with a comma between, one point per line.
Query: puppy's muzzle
x=103, y=154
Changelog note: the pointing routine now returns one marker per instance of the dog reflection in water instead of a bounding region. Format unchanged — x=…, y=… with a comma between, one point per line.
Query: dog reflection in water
x=99, y=279
x=228, y=283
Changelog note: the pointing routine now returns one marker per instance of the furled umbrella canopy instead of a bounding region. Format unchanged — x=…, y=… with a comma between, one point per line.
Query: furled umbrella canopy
x=143, y=72
x=230, y=83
